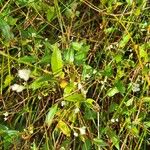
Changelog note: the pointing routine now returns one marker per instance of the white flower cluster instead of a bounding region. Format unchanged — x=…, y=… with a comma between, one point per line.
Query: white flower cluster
x=23, y=74
x=135, y=87
x=114, y=120
x=5, y=115
x=82, y=131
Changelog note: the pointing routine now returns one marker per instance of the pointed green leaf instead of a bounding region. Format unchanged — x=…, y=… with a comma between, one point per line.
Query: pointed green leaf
x=28, y=59
x=56, y=60
x=50, y=115
x=50, y=13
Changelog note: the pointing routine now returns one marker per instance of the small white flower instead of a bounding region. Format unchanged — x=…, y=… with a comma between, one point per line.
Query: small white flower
x=117, y=120
x=6, y=114
x=18, y=88
x=87, y=76
x=94, y=71
x=46, y=39
x=5, y=119
x=75, y=134
x=76, y=110
x=39, y=97
x=80, y=86
x=39, y=46
x=24, y=74
x=63, y=103
x=33, y=34
x=82, y=130
x=135, y=87
x=112, y=120
x=110, y=47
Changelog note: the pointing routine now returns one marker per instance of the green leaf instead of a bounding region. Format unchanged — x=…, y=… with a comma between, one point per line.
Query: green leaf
x=64, y=128
x=77, y=46
x=56, y=60
x=8, y=80
x=108, y=71
x=81, y=56
x=118, y=58
x=147, y=124
x=45, y=59
x=87, y=145
x=146, y=99
x=124, y=41
x=50, y=13
x=40, y=82
x=143, y=53
x=6, y=31
x=69, y=88
x=69, y=13
x=74, y=98
x=69, y=56
x=129, y=102
x=87, y=71
x=120, y=86
x=99, y=142
x=129, y=2
x=111, y=92
x=28, y=59
x=114, y=138
x=50, y=115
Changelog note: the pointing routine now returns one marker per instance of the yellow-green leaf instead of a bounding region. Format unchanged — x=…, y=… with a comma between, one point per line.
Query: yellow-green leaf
x=64, y=128
x=50, y=115
x=56, y=60
x=74, y=97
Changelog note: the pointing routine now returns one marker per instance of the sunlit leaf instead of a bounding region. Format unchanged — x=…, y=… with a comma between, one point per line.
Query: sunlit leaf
x=146, y=99
x=28, y=59
x=69, y=56
x=56, y=60
x=50, y=13
x=64, y=128
x=129, y=2
x=74, y=98
x=111, y=92
x=99, y=142
x=77, y=45
x=41, y=82
x=124, y=41
x=143, y=53
x=50, y=115
x=8, y=80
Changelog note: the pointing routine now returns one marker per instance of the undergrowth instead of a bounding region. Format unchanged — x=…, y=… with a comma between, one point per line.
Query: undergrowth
x=74, y=74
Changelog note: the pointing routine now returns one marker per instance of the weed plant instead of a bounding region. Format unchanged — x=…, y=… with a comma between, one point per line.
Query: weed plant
x=74, y=74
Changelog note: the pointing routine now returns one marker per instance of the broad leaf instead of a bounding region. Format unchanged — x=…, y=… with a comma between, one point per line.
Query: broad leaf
x=64, y=128
x=5, y=28
x=74, y=98
x=111, y=92
x=56, y=60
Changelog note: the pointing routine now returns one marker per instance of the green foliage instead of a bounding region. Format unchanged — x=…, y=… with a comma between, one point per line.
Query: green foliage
x=56, y=60
x=83, y=68
x=5, y=29
x=49, y=117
